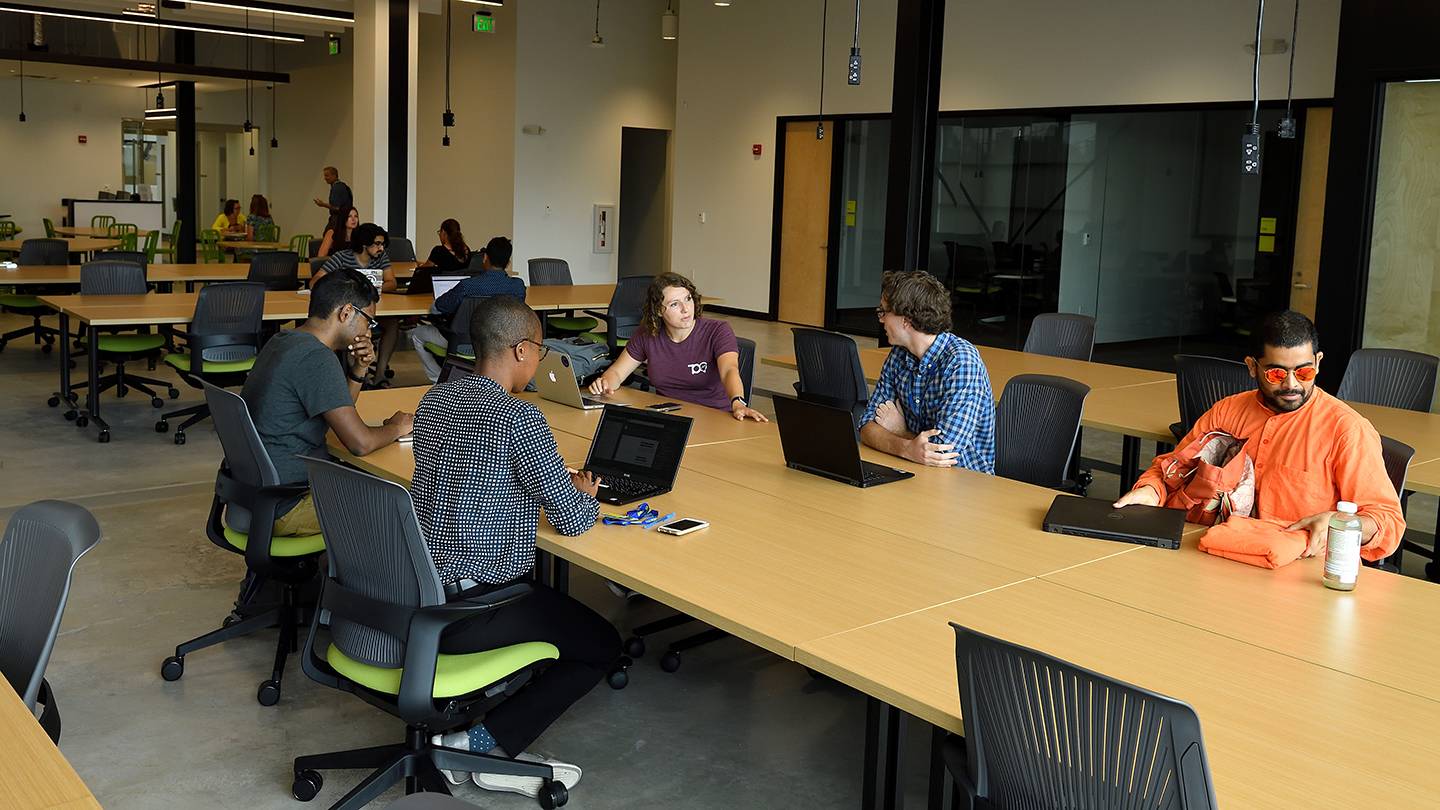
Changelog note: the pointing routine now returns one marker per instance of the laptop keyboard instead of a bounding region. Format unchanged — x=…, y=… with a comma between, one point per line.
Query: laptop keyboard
x=627, y=487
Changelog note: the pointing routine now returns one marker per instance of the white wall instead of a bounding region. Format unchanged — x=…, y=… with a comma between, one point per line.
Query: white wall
x=582, y=96
x=315, y=122
x=738, y=70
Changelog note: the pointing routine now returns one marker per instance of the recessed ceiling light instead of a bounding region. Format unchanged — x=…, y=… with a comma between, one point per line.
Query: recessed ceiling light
x=129, y=17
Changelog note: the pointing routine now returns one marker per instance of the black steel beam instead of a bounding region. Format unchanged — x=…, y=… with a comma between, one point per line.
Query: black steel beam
x=914, y=118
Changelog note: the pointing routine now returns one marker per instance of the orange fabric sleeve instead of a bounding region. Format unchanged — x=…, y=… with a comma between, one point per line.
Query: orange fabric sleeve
x=1360, y=478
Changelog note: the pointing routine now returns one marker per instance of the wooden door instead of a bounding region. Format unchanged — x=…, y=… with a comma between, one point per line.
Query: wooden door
x=805, y=223
x=1310, y=214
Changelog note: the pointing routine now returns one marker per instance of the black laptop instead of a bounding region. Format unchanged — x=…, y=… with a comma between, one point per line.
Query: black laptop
x=636, y=453
x=1094, y=517
x=820, y=439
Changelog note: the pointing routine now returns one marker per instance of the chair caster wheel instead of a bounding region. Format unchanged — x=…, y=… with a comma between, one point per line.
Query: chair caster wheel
x=53, y=402
x=635, y=647
x=173, y=668
x=47, y=348
x=70, y=416
x=104, y=437
x=82, y=421
x=179, y=437
x=121, y=391
x=174, y=393
x=307, y=785
x=269, y=694
x=671, y=661
x=157, y=402
x=389, y=373
x=553, y=795
x=162, y=426
x=618, y=678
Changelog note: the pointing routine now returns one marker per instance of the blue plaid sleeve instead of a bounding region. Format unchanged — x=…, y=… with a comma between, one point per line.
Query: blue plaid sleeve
x=885, y=388
x=966, y=412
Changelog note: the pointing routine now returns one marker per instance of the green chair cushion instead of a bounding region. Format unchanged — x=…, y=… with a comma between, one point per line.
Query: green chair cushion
x=182, y=362
x=573, y=324
x=442, y=352
x=599, y=337
x=454, y=674
x=297, y=546
x=21, y=301
x=129, y=343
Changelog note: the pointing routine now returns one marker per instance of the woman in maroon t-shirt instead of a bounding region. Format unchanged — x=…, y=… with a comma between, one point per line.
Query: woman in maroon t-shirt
x=687, y=357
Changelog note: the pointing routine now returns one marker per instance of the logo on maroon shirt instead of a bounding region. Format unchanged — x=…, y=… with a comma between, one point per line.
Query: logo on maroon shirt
x=699, y=368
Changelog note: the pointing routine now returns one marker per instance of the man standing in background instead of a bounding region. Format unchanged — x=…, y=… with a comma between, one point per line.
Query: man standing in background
x=340, y=197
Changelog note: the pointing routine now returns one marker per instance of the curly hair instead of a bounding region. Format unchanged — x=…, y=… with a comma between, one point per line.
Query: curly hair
x=918, y=297
x=652, y=319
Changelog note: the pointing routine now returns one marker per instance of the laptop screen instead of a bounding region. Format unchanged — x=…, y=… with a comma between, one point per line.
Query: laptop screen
x=818, y=436
x=443, y=284
x=638, y=443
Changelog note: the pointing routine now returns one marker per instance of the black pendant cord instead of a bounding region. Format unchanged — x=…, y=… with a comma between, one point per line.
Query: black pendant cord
x=20, y=23
x=448, y=119
x=824, y=16
x=1255, y=74
x=274, y=129
x=1294, y=39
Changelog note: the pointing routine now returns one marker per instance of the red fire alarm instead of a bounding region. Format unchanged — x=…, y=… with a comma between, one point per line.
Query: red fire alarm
x=755, y=149
x=82, y=139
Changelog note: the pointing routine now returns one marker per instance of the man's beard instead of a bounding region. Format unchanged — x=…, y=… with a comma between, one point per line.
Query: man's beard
x=1278, y=404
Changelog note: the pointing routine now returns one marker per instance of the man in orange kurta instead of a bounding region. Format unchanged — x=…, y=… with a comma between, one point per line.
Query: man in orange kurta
x=1310, y=450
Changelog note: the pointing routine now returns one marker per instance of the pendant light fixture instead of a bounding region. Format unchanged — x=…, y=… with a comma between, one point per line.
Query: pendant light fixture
x=852, y=73
x=1250, y=141
x=669, y=23
x=249, y=127
x=824, y=16
x=597, y=41
x=447, y=118
x=274, y=132
x=160, y=112
x=1287, y=124
x=22, y=74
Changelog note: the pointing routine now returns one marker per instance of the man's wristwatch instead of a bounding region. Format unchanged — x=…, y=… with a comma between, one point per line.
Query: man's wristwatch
x=351, y=374
x=740, y=400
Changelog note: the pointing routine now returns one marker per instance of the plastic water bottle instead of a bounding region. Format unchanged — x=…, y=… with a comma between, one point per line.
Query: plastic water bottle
x=1342, y=549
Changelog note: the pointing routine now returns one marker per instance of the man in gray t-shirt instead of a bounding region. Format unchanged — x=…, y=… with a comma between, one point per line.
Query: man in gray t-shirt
x=298, y=388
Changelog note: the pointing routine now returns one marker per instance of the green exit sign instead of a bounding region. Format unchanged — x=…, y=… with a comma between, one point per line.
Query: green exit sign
x=332, y=44
x=484, y=23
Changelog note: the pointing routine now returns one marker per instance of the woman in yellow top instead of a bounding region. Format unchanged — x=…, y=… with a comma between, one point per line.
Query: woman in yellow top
x=230, y=220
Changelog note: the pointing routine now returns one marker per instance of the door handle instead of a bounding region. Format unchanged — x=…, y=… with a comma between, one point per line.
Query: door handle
x=1300, y=285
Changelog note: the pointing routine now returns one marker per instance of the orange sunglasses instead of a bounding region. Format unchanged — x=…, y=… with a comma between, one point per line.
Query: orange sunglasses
x=1276, y=376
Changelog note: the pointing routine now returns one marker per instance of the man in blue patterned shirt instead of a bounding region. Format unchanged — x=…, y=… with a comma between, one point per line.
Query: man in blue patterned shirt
x=485, y=464
x=932, y=404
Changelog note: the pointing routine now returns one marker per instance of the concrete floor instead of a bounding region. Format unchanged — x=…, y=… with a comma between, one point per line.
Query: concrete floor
x=735, y=727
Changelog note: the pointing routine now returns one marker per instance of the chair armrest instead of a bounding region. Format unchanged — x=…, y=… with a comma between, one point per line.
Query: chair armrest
x=605, y=315
x=422, y=645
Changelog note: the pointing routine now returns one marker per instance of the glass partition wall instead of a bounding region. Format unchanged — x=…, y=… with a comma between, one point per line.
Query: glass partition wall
x=1140, y=218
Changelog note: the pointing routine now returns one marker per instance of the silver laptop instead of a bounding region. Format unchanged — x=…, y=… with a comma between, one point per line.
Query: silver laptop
x=443, y=284
x=555, y=381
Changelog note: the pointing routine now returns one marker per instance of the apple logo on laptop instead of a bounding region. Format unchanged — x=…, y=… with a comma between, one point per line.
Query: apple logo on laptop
x=552, y=377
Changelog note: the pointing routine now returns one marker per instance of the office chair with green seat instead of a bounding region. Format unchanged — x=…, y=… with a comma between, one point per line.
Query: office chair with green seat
x=101, y=221
x=248, y=494
x=168, y=251
x=43, y=542
x=623, y=315
x=49, y=227
x=122, y=278
x=460, y=346
x=547, y=272
x=35, y=252
x=220, y=346
x=210, y=250
x=384, y=611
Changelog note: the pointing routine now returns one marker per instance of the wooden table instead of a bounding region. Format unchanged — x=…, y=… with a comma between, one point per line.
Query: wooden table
x=94, y=233
x=1424, y=478
x=1279, y=731
x=33, y=774
x=188, y=274
x=250, y=244
x=82, y=244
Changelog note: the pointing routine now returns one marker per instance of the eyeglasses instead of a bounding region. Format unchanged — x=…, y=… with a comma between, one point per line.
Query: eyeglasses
x=1277, y=376
x=881, y=312
x=379, y=243
x=544, y=350
x=374, y=324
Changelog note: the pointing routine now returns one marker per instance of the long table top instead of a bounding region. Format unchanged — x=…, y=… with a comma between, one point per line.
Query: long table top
x=80, y=244
x=33, y=774
x=160, y=273
x=94, y=233
x=1279, y=731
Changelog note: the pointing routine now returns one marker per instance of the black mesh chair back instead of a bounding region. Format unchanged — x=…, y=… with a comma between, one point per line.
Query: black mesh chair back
x=1062, y=334
x=112, y=278
x=227, y=323
x=747, y=363
x=376, y=549
x=455, y=368
x=42, y=543
x=1397, y=456
x=1391, y=377
x=276, y=269
x=401, y=249
x=43, y=251
x=1041, y=732
x=460, y=341
x=548, y=272
x=133, y=256
x=1201, y=381
x=830, y=371
x=317, y=262
x=1036, y=422
x=627, y=303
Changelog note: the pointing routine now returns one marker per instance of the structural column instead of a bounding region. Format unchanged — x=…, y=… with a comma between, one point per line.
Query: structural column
x=382, y=174
x=187, y=160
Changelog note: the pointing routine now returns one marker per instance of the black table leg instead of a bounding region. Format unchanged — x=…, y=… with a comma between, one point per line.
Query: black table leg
x=65, y=395
x=1129, y=463
x=559, y=574
x=942, y=784
x=92, y=395
x=884, y=732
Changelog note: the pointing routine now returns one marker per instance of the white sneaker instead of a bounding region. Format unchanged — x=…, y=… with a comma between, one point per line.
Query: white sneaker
x=455, y=777
x=565, y=773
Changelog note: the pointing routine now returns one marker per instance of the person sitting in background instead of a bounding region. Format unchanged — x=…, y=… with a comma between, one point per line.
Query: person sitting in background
x=259, y=216
x=687, y=357
x=486, y=464
x=452, y=255
x=367, y=255
x=298, y=390
x=932, y=386
x=1309, y=450
x=339, y=232
x=230, y=220
x=492, y=280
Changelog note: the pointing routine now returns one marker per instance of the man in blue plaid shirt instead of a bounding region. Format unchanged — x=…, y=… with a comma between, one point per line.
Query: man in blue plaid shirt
x=932, y=404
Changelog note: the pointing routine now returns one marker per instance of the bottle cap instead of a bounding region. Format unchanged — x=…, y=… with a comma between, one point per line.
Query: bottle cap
x=1346, y=506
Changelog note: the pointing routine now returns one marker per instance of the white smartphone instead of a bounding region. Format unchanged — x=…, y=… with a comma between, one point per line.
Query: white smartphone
x=682, y=526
